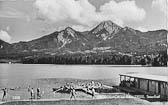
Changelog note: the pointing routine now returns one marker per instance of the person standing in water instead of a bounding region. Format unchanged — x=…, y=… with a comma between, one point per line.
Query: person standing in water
x=29, y=88
x=5, y=90
x=93, y=92
x=32, y=94
x=38, y=93
x=29, y=91
x=72, y=93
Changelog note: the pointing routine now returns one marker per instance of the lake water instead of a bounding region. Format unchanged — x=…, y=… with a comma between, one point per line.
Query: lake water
x=17, y=74
x=21, y=75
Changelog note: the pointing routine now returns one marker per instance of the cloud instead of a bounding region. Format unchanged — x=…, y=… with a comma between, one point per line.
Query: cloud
x=142, y=29
x=8, y=12
x=83, y=14
x=125, y=10
x=161, y=5
x=80, y=11
x=5, y=36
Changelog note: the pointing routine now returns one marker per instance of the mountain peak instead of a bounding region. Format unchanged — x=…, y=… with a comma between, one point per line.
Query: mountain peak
x=108, y=22
x=107, y=26
x=69, y=29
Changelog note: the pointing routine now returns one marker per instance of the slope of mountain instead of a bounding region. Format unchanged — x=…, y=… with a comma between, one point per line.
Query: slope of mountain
x=130, y=40
x=5, y=47
x=44, y=42
x=107, y=35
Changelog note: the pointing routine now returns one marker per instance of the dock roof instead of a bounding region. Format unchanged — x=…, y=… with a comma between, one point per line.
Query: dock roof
x=147, y=76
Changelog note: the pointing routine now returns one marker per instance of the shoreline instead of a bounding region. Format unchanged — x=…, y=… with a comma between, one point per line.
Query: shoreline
x=110, y=101
x=98, y=65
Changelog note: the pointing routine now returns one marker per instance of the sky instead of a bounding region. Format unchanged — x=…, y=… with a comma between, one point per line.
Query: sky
x=25, y=20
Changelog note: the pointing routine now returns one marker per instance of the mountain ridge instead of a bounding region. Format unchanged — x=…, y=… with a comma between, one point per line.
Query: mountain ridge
x=106, y=34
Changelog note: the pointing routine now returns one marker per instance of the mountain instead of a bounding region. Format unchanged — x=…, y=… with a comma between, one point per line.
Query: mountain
x=105, y=30
x=130, y=40
x=106, y=36
x=65, y=39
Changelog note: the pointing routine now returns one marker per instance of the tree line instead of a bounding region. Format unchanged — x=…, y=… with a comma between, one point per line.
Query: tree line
x=159, y=59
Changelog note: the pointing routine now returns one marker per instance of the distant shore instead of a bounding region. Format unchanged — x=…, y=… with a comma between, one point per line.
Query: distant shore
x=9, y=61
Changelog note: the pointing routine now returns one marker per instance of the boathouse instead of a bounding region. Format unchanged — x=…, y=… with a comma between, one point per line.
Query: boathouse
x=145, y=84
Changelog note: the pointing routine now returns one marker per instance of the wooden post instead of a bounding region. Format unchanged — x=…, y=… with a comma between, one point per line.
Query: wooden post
x=159, y=87
x=138, y=83
x=155, y=87
x=120, y=78
x=148, y=85
x=166, y=90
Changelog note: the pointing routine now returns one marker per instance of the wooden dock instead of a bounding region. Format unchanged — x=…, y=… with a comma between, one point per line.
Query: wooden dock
x=144, y=84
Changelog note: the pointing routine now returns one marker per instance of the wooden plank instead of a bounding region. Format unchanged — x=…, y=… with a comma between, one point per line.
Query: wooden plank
x=147, y=76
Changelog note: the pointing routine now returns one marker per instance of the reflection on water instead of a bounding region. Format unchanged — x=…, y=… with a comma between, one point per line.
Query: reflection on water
x=19, y=73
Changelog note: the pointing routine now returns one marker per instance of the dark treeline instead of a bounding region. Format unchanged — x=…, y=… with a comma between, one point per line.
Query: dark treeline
x=159, y=59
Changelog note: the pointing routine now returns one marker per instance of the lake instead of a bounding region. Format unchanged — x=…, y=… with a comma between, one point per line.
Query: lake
x=19, y=74
x=49, y=76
